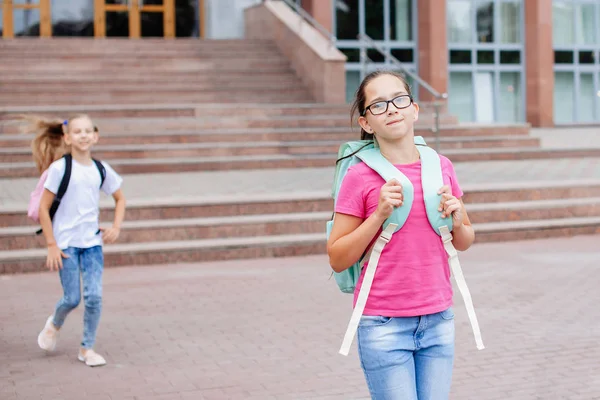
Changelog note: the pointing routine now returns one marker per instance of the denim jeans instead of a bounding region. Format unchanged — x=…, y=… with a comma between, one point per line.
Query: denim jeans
x=90, y=264
x=408, y=358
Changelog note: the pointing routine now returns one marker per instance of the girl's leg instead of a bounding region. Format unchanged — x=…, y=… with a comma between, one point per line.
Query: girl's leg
x=92, y=265
x=434, y=357
x=70, y=280
x=386, y=347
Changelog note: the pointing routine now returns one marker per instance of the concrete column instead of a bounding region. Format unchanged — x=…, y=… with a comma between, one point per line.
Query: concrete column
x=433, y=46
x=539, y=63
x=321, y=11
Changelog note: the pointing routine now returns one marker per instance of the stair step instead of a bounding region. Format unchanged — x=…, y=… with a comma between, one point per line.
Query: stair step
x=18, y=144
x=179, y=251
x=228, y=226
x=149, y=148
x=171, y=252
x=523, y=230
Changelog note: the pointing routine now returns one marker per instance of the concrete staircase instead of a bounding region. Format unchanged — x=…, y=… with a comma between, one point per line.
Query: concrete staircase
x=280, y=224
x=189, y=105
x=120, y=71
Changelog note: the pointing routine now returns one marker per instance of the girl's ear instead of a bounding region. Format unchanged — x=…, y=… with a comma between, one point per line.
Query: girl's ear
x=362, y=121
x=416, y=107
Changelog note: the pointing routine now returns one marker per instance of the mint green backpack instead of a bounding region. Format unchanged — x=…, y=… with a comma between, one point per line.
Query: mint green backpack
x=367, y=151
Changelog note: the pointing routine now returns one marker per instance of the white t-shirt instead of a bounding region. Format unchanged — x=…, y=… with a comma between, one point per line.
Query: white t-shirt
x=76, y=221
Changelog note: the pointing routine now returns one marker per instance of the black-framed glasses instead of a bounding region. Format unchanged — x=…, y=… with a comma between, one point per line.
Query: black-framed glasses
x=381, y=107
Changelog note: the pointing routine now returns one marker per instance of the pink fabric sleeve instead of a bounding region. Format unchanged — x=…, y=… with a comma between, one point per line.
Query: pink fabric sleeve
x=449, y=172
x=351, y=195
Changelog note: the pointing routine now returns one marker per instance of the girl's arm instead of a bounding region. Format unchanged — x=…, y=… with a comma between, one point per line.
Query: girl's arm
x=463, y=233
x=112, y=234
x=53, y=260
x=350, y=237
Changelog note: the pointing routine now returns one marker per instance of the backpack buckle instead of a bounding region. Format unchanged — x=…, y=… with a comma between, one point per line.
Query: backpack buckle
x=386, y=236
x=445, y=233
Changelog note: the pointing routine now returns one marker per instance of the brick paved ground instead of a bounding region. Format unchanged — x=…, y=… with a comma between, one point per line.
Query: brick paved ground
x=270, y=329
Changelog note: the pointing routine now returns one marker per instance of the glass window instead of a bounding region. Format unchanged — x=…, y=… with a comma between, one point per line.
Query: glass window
x=346, y=14
x=352, y=54
x=375, y=56
x=460, y=29
x=460, y=56
x=562, y=20
x=352, y=83
x=460, y=96
x=72, y=18
x=510, y=22
x=509, y=108
x=374, y=19
x=586, y=98
x=586, y=57
x=485, y=57
x=485, y=22
x=26, y=22
x=584, y=21
x=598, y=97
x=484, y=96
x=564, y=97
x=563, y=57
x=510, y=57
x=401, y=20
x=403, y=55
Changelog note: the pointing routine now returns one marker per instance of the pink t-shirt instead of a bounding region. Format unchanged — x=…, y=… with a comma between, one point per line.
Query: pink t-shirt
x=413, y=275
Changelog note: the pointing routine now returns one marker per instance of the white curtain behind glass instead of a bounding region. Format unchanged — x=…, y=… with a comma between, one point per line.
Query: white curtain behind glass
x=564, y=97
x=460, y=96
x=584, y=24
x=510, y=22
x=586, y=97
x=402, y=18
x=562, y=23
x=510, y=97
x=460, y=28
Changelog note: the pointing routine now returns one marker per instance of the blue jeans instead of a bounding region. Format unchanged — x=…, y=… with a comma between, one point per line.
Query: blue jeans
x=408, y=358
x=90, y=264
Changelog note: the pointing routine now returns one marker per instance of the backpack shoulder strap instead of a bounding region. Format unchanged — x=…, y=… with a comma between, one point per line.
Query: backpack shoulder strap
x=432, y=180
x=387, y=171
x=101, y=169
x=64, y=184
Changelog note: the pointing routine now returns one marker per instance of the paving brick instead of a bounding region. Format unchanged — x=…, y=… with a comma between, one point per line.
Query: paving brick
x=236, y=329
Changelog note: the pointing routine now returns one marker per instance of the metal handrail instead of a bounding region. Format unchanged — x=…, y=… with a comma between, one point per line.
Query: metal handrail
x=309, y=18
x=367, y=42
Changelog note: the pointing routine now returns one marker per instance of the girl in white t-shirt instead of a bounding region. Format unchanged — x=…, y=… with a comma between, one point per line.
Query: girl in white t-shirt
x=73, y=235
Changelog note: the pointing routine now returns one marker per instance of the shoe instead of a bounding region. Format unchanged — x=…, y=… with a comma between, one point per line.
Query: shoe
x=48, y=336
x=91, y=358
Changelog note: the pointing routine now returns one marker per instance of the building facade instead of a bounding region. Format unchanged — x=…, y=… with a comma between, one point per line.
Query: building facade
x=503, y=61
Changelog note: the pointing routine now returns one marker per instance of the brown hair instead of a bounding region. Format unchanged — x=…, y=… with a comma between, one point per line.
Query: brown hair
x=48, y=144
x=358, y=106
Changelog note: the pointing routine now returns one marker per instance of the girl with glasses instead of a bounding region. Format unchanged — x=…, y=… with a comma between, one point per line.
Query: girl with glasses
x=406, y=332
